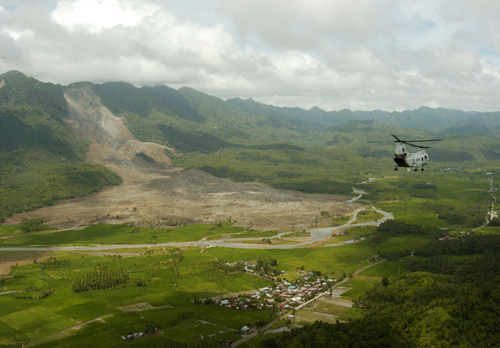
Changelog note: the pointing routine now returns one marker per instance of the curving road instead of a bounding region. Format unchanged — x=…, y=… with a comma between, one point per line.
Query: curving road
x=317, y=235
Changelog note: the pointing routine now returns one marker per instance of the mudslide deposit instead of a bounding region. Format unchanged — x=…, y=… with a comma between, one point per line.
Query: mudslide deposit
x=158, y=194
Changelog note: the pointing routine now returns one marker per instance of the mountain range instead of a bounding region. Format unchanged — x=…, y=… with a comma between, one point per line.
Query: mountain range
x=43, y=149
x=439, y=121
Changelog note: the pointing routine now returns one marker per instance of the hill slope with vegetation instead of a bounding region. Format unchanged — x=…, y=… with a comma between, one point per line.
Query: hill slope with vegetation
x=41, y=162
x=307, y=150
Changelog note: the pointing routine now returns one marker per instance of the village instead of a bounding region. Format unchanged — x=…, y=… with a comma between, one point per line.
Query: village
x=282, y=295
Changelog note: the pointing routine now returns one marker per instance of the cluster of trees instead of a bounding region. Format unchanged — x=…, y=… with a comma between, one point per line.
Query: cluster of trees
x=474, y=258
x=43, y=294
x=392, y=228
x=485, y=266
x=361, y=333
x=494, y=222
x=394, y=255
x=221, y=266
x=464, y=245
x=33, y=225
x=101, y=279
x=176, y=255
x=268, y=266
x=419, y=189
x=471, y=215
x=150, y=329
x=53, y=262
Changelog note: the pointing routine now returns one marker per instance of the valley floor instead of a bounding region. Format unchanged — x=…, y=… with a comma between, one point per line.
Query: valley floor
x=156, y=197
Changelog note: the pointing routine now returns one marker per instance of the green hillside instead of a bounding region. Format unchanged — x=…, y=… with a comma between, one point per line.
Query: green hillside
x=246, y=140
x=307, y=150
x=187, y=119
x=41, y=162
x=438, y=121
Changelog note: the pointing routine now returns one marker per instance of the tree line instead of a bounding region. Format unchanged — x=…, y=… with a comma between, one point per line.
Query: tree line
x=101, y=279
x=394, y=228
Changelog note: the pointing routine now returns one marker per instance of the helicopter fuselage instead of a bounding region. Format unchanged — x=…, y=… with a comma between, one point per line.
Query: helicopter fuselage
x=406, y=159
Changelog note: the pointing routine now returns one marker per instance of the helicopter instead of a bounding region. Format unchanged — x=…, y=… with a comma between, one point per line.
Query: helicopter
x=406, y=159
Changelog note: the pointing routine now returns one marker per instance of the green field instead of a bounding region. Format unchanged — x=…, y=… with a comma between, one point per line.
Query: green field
x=164, y=282
x=121, y=234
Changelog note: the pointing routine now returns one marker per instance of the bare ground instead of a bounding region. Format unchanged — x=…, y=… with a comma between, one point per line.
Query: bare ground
x=190, y=196
x=10, y=259
x=154, y=194
x=326, y=308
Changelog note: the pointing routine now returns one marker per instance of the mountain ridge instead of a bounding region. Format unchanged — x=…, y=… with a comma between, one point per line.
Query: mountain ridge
x=311, y=150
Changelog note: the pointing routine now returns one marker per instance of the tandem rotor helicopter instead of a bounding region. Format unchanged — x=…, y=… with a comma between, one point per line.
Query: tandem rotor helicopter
x=406, y=159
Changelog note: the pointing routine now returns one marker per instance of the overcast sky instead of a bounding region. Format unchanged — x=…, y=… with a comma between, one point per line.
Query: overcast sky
x=335, y=54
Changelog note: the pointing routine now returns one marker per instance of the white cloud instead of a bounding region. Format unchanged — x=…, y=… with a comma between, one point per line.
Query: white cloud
x=390, y=54
x=96, y=15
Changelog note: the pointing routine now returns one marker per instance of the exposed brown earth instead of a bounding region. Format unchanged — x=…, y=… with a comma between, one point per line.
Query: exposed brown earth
x=14, y=259
x=157, y=193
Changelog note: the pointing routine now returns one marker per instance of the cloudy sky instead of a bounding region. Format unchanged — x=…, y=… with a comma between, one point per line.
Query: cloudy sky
x=335, y=54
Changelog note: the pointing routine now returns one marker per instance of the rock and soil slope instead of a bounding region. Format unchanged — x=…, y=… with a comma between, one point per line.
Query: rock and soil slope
x=155, y=193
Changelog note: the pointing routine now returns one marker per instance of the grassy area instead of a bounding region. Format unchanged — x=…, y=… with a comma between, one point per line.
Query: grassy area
x=441, y=199
x=358, y=286
x=368, y=215
x=121, y=234
x=10, y=230
x=268, y=241
x=248, y=233
x=489, y=230
x=386, y=269
x=300, y=234
x=352, y=234
x=339, y=220
x=166, y=283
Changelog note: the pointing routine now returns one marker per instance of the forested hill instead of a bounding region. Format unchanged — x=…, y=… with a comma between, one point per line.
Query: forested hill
x=438, y=121
x=243, y=139
x=41, y=162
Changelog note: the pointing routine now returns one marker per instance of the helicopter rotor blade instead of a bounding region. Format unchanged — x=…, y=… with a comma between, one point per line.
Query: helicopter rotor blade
x=408, y=142
x=420, y=141
x=419, y=146
x=397, y=139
